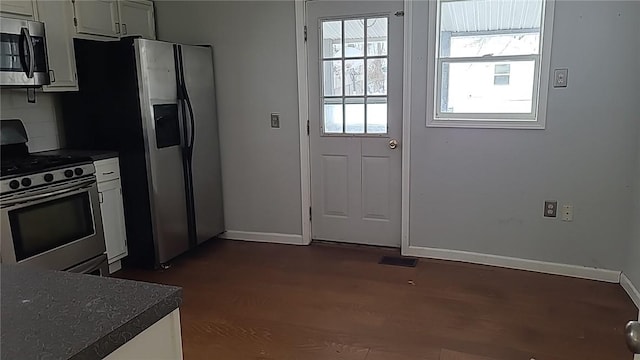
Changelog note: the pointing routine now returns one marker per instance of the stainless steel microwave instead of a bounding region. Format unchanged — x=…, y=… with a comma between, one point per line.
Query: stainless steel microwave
x=23, y=53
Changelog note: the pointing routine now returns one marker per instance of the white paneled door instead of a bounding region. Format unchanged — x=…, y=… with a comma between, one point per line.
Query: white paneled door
x=355, y=55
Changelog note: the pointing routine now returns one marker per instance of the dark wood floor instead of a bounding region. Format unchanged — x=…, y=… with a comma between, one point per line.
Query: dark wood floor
x=264, y=301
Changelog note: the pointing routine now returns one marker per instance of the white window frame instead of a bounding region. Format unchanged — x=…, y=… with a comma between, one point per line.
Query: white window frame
x=534, y=120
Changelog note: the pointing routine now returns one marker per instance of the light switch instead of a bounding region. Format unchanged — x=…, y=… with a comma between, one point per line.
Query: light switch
x=275, y=120
x=560, y=77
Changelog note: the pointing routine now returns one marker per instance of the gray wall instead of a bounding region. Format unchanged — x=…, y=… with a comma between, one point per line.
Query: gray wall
x=483, y=190
x=39, y=119
x=255, y=69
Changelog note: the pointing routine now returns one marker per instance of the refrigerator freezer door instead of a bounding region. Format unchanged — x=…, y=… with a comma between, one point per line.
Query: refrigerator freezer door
x=162, y=127
x=207, y=180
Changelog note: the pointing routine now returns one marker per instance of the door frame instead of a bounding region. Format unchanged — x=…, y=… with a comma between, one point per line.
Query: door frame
x=303, y=117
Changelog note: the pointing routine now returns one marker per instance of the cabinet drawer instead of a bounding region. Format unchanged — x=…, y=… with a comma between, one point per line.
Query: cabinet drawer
x=107, y=169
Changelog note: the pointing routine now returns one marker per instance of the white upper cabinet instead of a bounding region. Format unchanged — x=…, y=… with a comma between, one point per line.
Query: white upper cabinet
x=137, y=18
x=57, y=16
x=17, y=8
x=97, y=17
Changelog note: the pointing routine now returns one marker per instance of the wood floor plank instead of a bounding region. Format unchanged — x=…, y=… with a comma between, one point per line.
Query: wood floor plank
x=325, y=301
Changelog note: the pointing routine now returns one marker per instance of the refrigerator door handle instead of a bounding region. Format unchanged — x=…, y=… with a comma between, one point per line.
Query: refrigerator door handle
x=188, y=135
x=192, y=121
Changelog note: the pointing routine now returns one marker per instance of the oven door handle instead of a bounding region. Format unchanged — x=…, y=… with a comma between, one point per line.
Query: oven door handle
x=77, y=188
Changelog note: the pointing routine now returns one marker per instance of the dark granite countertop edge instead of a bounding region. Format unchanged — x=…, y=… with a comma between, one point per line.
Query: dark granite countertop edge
x=123, y=334
x=95, y=155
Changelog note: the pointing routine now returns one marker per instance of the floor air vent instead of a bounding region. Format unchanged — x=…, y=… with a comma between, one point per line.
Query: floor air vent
x=398, y=261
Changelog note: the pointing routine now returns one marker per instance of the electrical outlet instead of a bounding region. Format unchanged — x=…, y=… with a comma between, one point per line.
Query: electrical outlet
x=550, y=209
x=275, y=120
x=560, y=77
x=567, y=212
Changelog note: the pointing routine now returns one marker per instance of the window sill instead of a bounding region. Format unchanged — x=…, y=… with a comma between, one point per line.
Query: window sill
x=486, y=124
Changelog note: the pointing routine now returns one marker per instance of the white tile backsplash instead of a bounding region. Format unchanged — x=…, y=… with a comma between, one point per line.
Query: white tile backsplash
x=39, y=119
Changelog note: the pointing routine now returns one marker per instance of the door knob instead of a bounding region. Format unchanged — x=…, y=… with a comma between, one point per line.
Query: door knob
x=393, y=143
x=632, y=335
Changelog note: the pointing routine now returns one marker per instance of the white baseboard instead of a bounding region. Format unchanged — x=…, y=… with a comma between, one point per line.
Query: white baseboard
x=582, y=272
x=634, y=293
x=291, y=239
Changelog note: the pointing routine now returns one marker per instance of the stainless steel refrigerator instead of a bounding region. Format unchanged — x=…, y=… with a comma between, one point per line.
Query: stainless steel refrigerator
x=154, y=103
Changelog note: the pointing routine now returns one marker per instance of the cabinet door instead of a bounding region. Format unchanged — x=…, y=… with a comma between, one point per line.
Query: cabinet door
x=137, y=18
x=115, y=235
x=17, y=8
x=57, y=16
x=97, y=17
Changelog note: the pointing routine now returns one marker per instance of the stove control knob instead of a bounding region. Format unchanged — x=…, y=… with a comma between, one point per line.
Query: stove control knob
x=68, y=173
x=14, y=184
x=78, y=171
x=26, y=182
x=48, y=177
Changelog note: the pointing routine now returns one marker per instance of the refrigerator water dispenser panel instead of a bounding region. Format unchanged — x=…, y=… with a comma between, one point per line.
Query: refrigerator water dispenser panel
x=167, y=125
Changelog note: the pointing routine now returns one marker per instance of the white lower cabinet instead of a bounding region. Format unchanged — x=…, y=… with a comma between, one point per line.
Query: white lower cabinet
x=111, y=207
x=160, y=341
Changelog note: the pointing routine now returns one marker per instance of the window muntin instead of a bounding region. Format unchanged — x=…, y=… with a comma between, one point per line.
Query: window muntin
x=354, y=76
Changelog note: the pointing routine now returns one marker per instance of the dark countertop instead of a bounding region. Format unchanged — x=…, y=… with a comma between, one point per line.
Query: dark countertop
x=93, y=154
x=60, y=315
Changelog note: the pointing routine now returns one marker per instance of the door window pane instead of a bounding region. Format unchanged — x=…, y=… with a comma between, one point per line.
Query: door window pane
x=377, y=36
x=333, y=116
x=377, y=115
x=354, y=116
x=331, y=39
x=332, y=77
x=377, y=77
x=354, y=77
x=354, y=38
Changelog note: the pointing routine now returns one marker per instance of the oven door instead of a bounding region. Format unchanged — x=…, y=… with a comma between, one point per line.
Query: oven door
x=23, y=53
x=54, y=228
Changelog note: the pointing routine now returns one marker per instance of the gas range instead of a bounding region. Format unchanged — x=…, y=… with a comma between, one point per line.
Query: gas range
x=49, y=207
x=29, y=171
x=20, y=170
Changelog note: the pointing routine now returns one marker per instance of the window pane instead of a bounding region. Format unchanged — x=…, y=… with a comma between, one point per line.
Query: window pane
x=502, y=69
x=354, y=38
x=331, y=39
x=354, y=116
x=377, y=115
x=377, y=36
x=377, y=77
x=501, y=80
x=489, y=27
x=333, y=116
x=332, y=77
x=354, y=77
x=470, y=88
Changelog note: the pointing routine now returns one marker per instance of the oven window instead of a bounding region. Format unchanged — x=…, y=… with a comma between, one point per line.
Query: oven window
x=48, y=225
